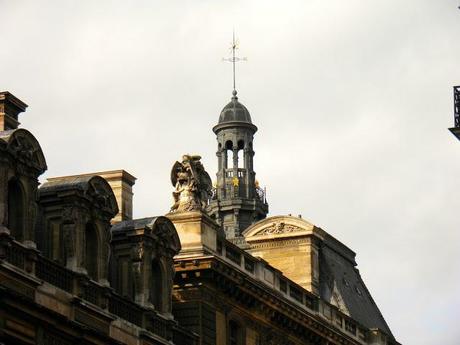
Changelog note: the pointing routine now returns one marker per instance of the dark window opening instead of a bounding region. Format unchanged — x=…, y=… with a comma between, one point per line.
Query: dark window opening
x=91, y=250
x=229, y=145
x=156, y=286
x=16, y=208
x=235, y=333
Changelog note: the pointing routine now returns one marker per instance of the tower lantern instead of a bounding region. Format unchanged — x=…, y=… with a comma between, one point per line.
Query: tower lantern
x=238, y=202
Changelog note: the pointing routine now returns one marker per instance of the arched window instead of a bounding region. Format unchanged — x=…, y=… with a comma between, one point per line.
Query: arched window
x=91, y=250
x=16, y=208
x=157, y=294
x=229, y=145
x=235, y=333
x=240, y=154
x=229, y=155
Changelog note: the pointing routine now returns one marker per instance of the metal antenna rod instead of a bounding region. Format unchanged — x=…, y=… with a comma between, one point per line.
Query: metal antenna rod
x=234, y=59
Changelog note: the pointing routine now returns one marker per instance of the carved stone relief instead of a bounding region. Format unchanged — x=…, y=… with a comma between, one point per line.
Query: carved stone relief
x=279, y=228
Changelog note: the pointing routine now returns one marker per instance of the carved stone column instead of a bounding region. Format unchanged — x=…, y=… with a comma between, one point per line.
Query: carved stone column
x=74, y=239
x=224, y=159
x=104, y=251
x=247, y=178
x=167, y=296
x=235, y=162
x=236, y=214
x=137, y=260
x=68, y=232
x=219, y=159
x=31, y=211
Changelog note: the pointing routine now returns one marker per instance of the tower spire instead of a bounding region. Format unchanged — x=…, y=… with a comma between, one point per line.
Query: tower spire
x=234, y=59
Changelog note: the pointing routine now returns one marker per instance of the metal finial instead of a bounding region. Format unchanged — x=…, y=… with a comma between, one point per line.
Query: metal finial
x=234, y=59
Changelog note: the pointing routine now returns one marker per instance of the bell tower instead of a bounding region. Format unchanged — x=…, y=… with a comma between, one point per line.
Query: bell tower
x=237, y=201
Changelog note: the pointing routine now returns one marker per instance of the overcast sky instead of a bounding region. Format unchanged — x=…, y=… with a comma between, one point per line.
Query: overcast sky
x=352, y=100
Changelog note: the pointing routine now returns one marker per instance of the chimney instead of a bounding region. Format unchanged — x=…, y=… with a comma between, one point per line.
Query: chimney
x=10, y=107
x=121, y=183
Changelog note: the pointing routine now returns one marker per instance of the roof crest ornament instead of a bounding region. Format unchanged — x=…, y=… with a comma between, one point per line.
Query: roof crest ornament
x=234, y=59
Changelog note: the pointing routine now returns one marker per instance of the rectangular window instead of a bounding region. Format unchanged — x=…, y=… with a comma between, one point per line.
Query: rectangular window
x=233, y=255
x=283, y=286
x=235, y=333
x=219, y=247
x=296, y=294
x=249, y=264
x=350, y=327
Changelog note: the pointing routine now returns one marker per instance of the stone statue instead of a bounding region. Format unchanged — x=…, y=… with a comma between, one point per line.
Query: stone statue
x=192, y=184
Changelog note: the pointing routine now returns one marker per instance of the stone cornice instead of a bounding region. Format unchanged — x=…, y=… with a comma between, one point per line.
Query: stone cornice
x=252, y=293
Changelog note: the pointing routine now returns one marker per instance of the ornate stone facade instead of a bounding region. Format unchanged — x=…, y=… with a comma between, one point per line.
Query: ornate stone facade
x=76, y=269
x=60, y=258
x=245, y=280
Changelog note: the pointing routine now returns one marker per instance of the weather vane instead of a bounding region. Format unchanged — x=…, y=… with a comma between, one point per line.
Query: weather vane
x=234, y=59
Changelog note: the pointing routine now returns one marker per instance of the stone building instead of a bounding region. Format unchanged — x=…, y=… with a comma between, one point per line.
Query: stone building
x=76, y=268
x=66, y=275
x=242, y=278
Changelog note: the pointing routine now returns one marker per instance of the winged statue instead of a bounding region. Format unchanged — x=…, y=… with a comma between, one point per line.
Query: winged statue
x=192, y=184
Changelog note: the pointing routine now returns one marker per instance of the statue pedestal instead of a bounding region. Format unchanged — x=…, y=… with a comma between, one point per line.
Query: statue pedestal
x=197, y=231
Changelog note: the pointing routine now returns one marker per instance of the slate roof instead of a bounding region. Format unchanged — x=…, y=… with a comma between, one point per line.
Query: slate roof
x=342, y=277
x=133, y=224
x=67, y=183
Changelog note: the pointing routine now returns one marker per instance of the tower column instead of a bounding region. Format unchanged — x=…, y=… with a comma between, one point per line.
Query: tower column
x=246, y=158
x=224, y=160
x=247, y=170
x=222, y=168
x=219, y=159
x=235, y=162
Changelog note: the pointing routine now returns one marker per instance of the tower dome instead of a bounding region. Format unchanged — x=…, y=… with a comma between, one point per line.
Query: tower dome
x=234, y=112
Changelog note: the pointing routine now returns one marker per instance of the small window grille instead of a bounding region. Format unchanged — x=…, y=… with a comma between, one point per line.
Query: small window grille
x=350, y=327
x=283, y=286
